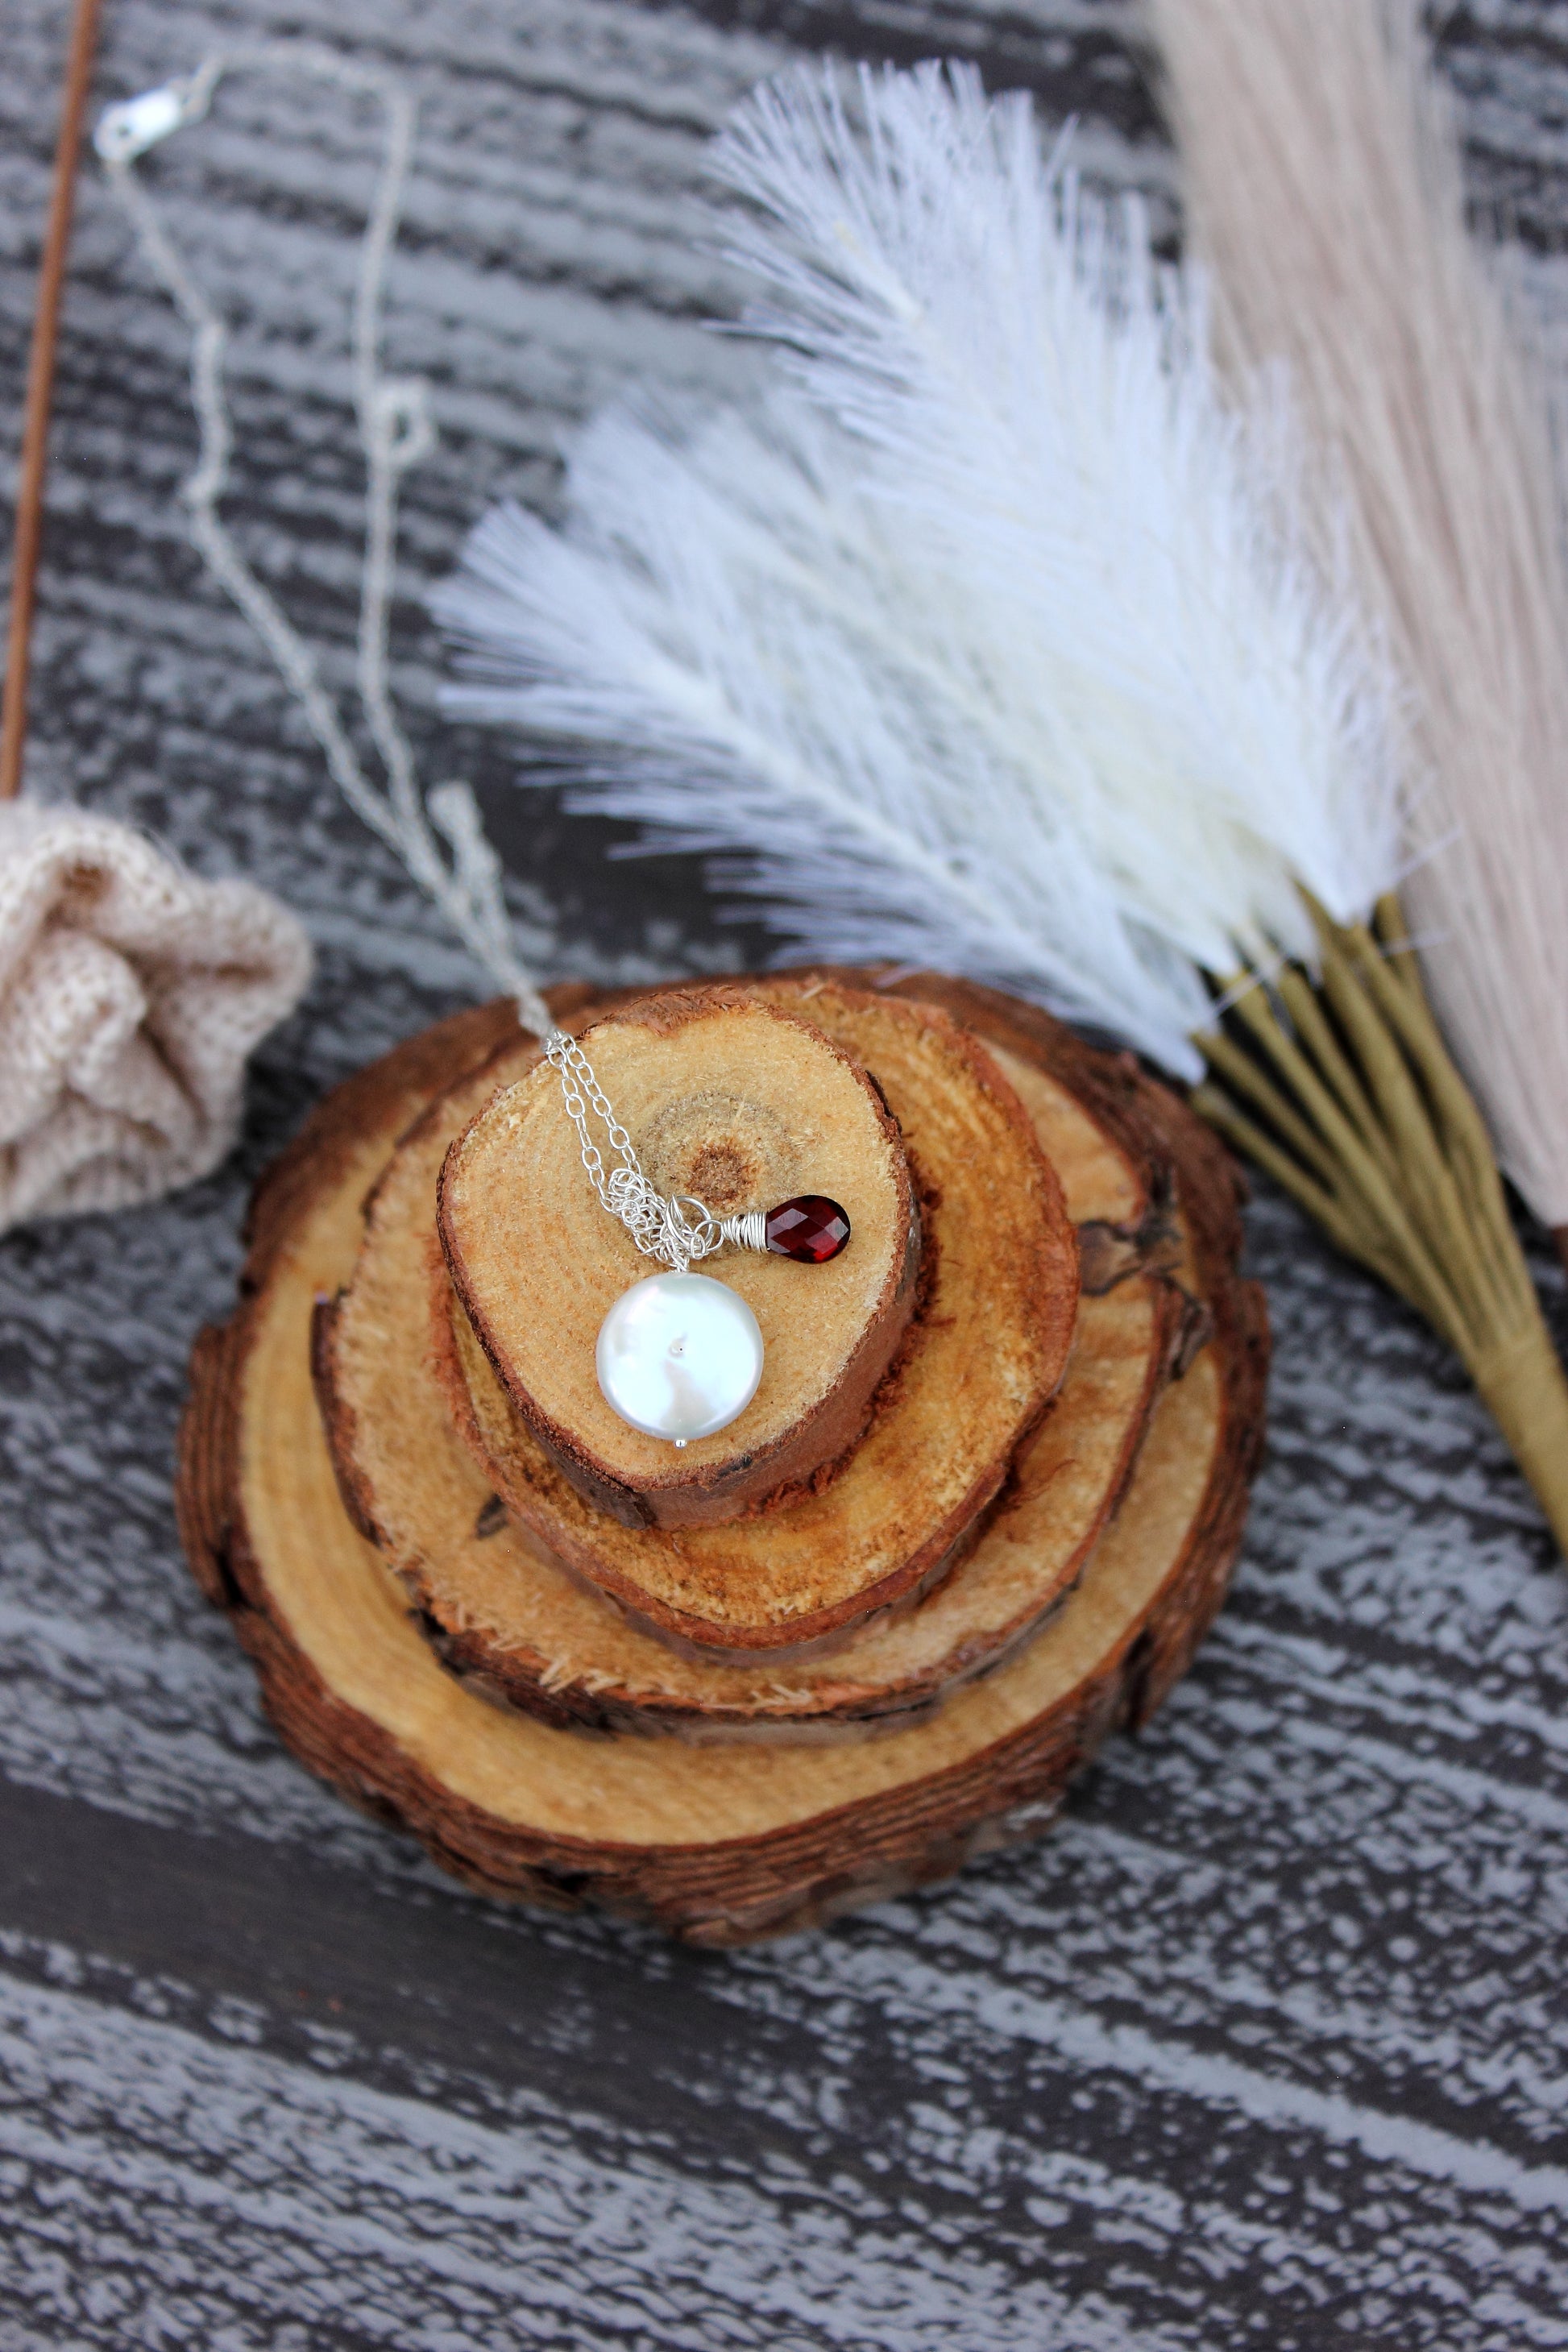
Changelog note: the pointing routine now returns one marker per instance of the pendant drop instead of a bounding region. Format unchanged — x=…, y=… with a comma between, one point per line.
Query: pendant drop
x=679, y=1356
x=810, y=1227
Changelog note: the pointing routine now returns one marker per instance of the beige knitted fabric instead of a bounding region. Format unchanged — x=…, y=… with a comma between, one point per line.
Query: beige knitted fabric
x=131, y=994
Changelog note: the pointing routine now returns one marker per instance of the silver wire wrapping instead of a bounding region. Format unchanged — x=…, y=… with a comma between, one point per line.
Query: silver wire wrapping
x=661, y=1226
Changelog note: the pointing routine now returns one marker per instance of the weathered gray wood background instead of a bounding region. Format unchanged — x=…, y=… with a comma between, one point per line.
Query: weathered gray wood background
x=1268, y=2046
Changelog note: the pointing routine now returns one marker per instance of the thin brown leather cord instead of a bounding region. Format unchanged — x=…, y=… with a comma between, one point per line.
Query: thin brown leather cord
x=40, y=389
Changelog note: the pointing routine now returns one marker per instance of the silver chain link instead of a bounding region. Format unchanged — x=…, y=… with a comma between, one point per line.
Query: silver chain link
x=660, y=1227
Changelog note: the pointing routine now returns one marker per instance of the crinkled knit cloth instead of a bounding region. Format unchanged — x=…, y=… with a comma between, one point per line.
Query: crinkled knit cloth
x=131, y=994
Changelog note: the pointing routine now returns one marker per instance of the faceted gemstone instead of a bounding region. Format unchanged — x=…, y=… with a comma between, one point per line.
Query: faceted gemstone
x=811, y=1227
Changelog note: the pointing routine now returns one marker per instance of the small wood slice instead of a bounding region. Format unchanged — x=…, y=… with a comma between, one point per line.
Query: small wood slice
x=984, y=1355
x=718, y=1846
x=742, y=1105
x=501, y=1613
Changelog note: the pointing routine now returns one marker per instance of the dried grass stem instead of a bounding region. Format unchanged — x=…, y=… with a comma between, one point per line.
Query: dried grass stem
x=1366, y=1121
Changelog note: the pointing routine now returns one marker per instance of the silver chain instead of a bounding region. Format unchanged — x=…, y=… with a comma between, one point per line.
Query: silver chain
x=679, y=1230
x=395, y=430
x=438, y=833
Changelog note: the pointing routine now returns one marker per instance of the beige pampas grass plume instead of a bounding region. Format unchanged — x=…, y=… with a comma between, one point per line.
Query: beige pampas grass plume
x=1322, y=186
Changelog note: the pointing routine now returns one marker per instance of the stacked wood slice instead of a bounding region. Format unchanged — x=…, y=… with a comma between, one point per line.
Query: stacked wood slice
x=978, y=1513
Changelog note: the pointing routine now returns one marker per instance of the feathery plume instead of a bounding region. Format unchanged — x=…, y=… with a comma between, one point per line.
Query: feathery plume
x=979, y=640
x=746, y=664
x=1322, y=184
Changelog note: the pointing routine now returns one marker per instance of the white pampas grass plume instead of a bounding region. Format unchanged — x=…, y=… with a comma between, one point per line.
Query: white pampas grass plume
x=1323, y=187
x=744, y=663
x=985, y=639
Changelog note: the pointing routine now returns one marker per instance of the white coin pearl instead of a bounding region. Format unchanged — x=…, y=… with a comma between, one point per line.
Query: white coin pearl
x=679, y=1355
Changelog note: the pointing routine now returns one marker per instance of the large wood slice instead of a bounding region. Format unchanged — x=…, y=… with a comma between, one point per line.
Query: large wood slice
x=740, y=1105
x=502, y=1613
x=982, y=1356
x=719, y=1845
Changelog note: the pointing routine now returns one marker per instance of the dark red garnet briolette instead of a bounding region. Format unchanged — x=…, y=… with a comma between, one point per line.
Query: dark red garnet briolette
x=811, y=1228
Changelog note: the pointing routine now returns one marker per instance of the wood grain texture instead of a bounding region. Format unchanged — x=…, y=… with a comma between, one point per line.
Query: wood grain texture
x=1265, y=2048
x=498, y=1610
x=532, y=1256
x=937, y=1445
x=719, y=1847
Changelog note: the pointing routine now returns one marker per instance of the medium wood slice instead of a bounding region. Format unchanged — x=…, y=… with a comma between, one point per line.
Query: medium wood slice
x=740, y=1105
x=984, y=1355
x=719, y=1845
x=501, y=1613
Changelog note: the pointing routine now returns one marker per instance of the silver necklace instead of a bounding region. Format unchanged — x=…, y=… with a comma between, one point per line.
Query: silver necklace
x=678, y=1355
